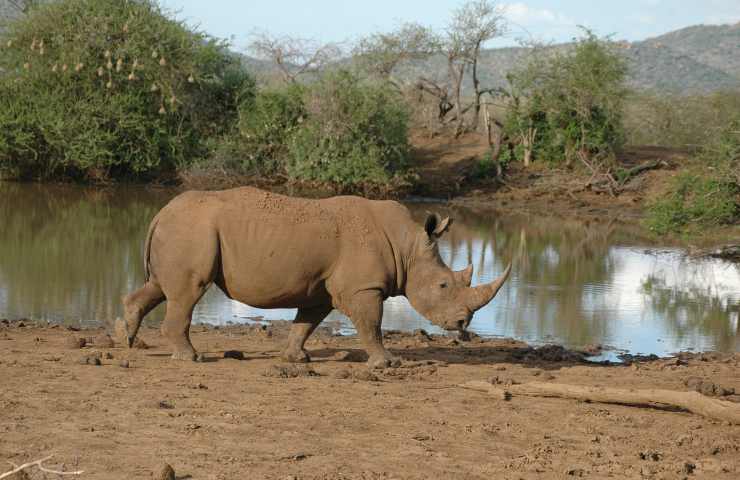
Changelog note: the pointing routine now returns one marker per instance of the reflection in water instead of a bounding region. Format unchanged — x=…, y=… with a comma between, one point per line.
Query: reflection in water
x=69, y=254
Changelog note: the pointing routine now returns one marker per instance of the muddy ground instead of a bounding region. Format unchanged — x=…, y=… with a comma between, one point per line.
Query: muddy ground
x=121, y=414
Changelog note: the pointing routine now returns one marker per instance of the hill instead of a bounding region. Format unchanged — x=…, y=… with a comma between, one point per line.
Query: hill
x=697, y=59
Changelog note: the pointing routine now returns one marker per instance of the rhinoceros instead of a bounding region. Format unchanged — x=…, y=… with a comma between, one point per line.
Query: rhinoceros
x=273, y=251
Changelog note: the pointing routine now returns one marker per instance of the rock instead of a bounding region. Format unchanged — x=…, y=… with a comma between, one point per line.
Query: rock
x=650, y=455
x=289, y=371
x=104, y=341
x=123, y=364
x=75, y=343
x=165, y=405
x=234, y=354
x=364, y=375
x=592, y=349
x=688, y=468
x=422, y=334
x=90, y=360
x=342, y=374
x=707, y=387
x=168, y=473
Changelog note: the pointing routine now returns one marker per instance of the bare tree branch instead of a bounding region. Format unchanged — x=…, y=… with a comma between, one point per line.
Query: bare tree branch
x=381, y=53
x=294, y=56
x=38, y=463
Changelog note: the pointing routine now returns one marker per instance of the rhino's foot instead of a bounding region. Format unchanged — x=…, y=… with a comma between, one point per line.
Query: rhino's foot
x=295, y=356
x=384, y=360
x=185, y=354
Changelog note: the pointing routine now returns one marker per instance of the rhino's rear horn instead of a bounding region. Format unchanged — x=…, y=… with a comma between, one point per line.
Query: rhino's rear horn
x=482, y=294
x=464, y=276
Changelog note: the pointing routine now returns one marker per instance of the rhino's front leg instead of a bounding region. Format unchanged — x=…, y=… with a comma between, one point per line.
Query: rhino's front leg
x=306, y=321
x=366, y=313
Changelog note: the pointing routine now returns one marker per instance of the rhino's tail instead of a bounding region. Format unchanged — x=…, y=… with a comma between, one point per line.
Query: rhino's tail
x=148, y=247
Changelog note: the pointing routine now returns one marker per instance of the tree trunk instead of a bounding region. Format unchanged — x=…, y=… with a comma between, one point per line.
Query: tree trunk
x=456, y=75
x=476, y=86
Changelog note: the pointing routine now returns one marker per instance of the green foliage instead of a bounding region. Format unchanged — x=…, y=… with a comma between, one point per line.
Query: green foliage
x=694, y=201
x=708, y=194
x=260, y=144
x=336, y=130
x=102, y=89
x=354, y=133
x=569, y=102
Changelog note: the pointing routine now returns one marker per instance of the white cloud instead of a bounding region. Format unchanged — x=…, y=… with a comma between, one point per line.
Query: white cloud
x=520, y=12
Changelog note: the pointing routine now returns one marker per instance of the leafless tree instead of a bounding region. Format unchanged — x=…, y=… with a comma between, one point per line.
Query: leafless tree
x=472, y=25
x=294, y=56
x=380, y=53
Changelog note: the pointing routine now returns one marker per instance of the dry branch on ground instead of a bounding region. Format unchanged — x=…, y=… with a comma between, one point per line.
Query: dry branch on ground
x=665, y=399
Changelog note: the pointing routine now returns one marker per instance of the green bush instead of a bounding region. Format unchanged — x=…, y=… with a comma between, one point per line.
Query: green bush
x=99, y=89
x=354, y=133
x=694, y=201
x=569, y=102
x=266, y=124
x=708, y=194
x=336, y=130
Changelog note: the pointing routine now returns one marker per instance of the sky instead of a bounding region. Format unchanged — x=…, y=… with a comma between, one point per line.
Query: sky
x=541, y=20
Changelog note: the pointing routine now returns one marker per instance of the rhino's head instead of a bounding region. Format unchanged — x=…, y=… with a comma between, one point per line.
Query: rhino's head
x=441, y=295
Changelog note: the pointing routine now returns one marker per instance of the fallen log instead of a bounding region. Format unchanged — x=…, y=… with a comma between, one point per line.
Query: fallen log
x=693, y=402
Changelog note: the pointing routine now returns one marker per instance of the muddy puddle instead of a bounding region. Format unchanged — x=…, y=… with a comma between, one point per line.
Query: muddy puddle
x=67, y=254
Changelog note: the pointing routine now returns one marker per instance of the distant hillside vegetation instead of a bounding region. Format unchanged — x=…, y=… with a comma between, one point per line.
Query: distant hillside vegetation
x=698, y=59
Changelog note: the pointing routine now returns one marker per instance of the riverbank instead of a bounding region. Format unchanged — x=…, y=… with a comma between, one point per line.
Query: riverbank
x=448, y=168
x=259, y=418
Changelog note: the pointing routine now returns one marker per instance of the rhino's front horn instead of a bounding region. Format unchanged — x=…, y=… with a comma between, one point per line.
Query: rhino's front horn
x=482, y=294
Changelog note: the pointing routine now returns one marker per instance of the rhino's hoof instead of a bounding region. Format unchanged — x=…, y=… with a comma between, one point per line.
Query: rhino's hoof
x=190, y=356
x=295, y=357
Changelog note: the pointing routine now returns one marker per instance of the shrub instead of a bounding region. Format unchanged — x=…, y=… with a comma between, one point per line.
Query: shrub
x=337, y=130
x=678, y=121
x=569, y=102
x=98, y=89
x=706, y=195
x=353, y=133
x=264, y=130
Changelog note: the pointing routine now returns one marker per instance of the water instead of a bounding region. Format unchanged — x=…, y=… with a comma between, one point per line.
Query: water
x=67, y=254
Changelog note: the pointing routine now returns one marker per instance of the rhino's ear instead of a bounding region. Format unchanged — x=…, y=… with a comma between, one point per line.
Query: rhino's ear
x=435, y=225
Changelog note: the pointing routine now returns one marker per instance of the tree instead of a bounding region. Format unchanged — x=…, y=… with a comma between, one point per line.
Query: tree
x=294, y=56
x=473, y=24
x=568, y=104
x=380, y=53
x=101, y=89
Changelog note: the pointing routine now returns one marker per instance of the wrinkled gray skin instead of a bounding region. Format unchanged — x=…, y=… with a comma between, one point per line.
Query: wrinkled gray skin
x=273, y=251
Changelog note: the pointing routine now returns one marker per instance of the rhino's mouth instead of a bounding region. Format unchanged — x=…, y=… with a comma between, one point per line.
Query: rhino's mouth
x=456, y=325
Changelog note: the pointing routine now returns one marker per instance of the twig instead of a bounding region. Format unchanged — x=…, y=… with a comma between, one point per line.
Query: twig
x=38, y=463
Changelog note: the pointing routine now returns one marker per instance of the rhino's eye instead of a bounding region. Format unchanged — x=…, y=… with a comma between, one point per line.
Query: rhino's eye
x=443, y=285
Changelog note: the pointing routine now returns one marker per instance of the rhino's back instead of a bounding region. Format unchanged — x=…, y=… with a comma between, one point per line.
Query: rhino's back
x=278, y=251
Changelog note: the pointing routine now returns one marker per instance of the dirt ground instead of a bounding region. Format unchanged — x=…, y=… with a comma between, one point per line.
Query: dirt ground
x=228, y=418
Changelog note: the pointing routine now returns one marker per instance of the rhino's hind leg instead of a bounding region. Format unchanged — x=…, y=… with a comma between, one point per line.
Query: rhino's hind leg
x=176, y=328
x=135, y=307
x=306, y=321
